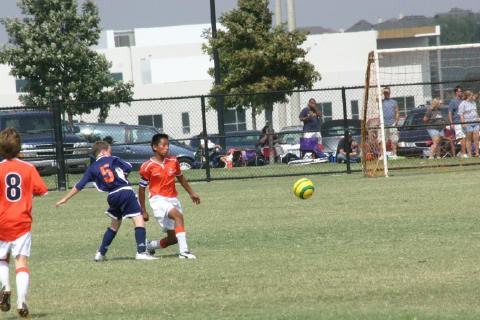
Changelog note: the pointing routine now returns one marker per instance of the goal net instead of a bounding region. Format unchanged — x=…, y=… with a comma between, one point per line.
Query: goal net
x=398, y=130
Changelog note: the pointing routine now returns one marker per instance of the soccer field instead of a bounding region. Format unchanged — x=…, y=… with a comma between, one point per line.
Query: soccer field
x=406, y=247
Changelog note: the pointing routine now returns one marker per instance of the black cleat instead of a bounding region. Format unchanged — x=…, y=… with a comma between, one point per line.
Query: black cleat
x=23, y=312
x=4, y=300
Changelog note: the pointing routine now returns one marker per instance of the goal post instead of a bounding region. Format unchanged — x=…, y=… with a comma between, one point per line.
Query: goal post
x=415, y=76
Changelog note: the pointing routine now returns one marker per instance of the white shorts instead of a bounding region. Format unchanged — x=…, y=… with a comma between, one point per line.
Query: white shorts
x=459, y=134
x=20, y=246
x=161, y=206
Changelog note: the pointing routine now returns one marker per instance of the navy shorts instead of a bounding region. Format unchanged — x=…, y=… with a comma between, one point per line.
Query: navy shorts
x=123, y=204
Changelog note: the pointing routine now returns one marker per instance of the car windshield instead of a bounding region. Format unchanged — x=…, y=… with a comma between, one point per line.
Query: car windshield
x=290, y=137
x=339, y=130
x=31, y=124
x=242, y=140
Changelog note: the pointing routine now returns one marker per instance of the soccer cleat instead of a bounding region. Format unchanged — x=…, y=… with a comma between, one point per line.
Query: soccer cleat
x=99, y=257
x=186, y=255
x=4, y=300
x=144, y=256
x=23, y=311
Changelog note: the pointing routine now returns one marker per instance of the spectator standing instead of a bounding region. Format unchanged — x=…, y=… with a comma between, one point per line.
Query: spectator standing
x=454, y=119
x=391, y=115
x=436, y=123
x=467, y=110
x=310, y=116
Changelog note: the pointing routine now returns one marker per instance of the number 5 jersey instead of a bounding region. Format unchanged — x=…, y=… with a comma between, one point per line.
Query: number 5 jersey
x=107, y=173
x=19, y=182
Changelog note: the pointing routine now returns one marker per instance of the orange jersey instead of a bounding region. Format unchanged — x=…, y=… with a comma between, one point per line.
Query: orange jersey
x=160, y=176
x=19, y=182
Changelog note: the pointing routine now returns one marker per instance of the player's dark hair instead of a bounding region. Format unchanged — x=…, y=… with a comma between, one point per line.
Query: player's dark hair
x=157, y=137
x=99, y=146
x=10, y=143
x=457, y=88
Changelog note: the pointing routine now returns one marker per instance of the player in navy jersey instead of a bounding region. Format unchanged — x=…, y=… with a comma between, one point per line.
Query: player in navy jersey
x=109, y=174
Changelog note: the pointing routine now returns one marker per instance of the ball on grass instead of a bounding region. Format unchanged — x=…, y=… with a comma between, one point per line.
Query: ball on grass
x=303, y=188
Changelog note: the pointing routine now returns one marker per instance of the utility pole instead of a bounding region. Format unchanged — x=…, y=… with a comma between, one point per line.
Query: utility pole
x=282, y=107
x=278, y=13
x=295, y=98
x=218, y=80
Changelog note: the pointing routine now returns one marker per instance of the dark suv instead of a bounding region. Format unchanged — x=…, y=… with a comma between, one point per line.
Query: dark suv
x=132, y=142
x=246, y=139
x=414, y=140
x=38, y=141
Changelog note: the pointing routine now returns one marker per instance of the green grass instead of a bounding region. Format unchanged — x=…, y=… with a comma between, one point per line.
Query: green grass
x=406, y=247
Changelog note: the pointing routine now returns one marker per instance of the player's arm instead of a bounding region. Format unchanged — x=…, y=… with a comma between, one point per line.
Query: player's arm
x=195, y=197
x=142, y=185
x=64, y=200
x=87, y=177
x=39, y=186
x=141, y=199
x=397, y=114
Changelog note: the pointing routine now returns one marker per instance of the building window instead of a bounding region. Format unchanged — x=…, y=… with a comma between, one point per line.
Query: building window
x=155, y=120
x=186, y=123
x=326, y=109
x=20, y=85
x=405, y=104
x=124, y=39
x=117, y=76
x=354, y=107
x=235, y=120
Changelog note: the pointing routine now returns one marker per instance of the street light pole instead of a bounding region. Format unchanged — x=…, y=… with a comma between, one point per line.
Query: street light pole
x=218, y=80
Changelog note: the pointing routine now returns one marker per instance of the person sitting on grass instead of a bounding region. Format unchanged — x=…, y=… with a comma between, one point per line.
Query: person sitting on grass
x=349, y=146
x=109, y=174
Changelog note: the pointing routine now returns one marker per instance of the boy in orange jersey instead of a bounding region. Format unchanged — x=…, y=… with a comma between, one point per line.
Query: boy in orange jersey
x=159, y=175
x=19, y=182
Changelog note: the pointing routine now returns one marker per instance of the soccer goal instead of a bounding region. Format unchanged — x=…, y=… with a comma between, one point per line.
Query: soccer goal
x=413, y=78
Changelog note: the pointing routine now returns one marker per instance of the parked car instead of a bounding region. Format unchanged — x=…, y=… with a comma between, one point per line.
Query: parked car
x=290, y=139
x=334, y=130
x=414, y=140
x=246, y=139
x=132, y=142
x=38, y=141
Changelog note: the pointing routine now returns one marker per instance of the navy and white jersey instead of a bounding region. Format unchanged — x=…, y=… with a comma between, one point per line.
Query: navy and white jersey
x=107, y=173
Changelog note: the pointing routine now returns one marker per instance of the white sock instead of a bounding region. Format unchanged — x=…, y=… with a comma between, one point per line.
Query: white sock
x=4, y=276
x=182, y=241
x=154, y=244
x=23, y=277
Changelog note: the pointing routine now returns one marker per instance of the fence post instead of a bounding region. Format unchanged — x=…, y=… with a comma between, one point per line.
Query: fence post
x=205, y=139
x=271, y=157
x=59, y=145
x=346, y=133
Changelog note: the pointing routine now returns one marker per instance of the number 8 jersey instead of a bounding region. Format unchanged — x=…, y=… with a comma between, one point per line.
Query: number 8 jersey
x=19, y=182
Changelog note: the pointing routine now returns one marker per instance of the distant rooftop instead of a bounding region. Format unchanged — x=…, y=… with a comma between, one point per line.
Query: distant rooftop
x=317, y=30
x=362, y=25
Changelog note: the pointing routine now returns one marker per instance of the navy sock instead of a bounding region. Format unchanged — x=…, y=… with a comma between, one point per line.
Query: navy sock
x=107, y=240
x=140, y=237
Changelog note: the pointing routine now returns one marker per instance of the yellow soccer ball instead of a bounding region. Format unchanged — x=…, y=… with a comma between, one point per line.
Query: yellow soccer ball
x=303, y=188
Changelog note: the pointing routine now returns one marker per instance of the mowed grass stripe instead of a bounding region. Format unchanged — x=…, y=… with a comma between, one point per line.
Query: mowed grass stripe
x=398, y=248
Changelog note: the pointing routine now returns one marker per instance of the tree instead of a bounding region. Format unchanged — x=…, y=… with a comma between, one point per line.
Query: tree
x=254, y=59
x=51, y=49
x=459, y=26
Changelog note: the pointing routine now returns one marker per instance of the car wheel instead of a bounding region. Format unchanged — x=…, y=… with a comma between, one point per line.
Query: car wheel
x=185, y=164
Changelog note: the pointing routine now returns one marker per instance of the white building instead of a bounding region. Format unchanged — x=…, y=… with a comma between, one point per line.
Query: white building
x=169, y=62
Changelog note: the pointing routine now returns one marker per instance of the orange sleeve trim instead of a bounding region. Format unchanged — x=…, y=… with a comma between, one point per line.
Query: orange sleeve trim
x=23, y=269
x=179, y=229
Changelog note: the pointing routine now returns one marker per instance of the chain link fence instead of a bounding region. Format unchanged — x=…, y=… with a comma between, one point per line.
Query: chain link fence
x=248, y=144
